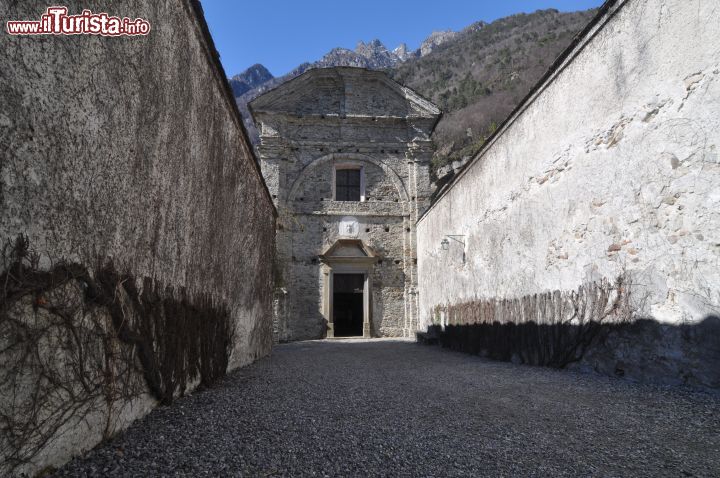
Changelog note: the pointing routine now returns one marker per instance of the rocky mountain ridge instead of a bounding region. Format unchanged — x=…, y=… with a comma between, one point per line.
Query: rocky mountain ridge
x=372, y=55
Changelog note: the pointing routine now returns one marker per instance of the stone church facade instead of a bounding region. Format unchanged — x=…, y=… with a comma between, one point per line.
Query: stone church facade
x=346, y=154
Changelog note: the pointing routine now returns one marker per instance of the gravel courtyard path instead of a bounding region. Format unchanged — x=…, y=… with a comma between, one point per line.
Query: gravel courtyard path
x=393, y=408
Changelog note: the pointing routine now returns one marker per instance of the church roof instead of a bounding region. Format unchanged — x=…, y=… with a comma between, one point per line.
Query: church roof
x=344, y=92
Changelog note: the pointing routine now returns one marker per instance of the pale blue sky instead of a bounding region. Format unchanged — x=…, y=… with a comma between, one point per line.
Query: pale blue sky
x=281, y=34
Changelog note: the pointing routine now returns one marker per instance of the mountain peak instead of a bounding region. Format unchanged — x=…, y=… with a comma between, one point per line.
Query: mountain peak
x=372, y=50
x=474, y=27
x=254, y=76
x=436, y=39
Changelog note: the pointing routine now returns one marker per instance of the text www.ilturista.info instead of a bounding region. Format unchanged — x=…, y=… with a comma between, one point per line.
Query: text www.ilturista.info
x=56, y=21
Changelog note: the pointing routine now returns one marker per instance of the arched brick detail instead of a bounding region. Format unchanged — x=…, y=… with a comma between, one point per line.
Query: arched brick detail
x=394, y=177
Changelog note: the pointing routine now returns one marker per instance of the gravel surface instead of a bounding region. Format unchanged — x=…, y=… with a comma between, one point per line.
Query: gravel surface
x=394, y=408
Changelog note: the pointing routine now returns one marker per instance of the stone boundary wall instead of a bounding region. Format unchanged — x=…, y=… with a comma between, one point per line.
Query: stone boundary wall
x=138, y=233
x=608, y=171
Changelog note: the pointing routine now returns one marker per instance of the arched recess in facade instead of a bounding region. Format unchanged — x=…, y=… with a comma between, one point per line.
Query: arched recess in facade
x=404, y=197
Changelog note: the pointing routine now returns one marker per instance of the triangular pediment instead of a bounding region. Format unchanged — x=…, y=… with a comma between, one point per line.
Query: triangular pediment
x=348, y=249
x=344, y=92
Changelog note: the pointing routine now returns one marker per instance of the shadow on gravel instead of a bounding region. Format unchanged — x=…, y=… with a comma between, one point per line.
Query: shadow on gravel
x=643, y=350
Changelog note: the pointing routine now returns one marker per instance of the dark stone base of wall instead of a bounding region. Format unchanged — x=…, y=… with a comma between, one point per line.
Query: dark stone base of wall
x=648, y=351
x=643, y=350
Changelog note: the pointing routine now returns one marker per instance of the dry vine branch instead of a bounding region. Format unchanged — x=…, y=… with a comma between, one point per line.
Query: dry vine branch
x=551, y=328
x=74, y=349
x=60, y=365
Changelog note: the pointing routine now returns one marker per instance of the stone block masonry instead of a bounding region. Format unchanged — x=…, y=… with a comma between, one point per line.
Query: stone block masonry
x=322, y=126
x=138, y=231
x=608, y=174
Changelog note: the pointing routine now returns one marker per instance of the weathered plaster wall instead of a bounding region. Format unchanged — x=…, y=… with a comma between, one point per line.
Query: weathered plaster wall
x=129, y=149
x=610, y=169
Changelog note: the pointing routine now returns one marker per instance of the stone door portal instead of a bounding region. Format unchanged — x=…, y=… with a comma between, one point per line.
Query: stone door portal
x=346, y=288
x=348, y=313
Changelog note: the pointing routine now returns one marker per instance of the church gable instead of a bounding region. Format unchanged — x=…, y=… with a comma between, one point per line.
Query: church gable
x=374, y=98
x=344, y=92
x=304, y=96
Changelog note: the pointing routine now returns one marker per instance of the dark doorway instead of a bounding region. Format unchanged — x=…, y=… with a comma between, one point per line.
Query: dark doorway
x=348, y=304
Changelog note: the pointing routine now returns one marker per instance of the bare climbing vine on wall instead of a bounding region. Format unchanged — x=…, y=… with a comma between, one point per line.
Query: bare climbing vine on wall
x=76, y=349
x=177, y=340
x=552, y=328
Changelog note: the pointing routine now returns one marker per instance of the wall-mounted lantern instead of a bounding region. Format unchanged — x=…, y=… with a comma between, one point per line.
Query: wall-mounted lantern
x=445, y=243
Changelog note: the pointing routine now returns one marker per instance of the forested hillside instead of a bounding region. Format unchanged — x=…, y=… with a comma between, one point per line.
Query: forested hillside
x=480, y=77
